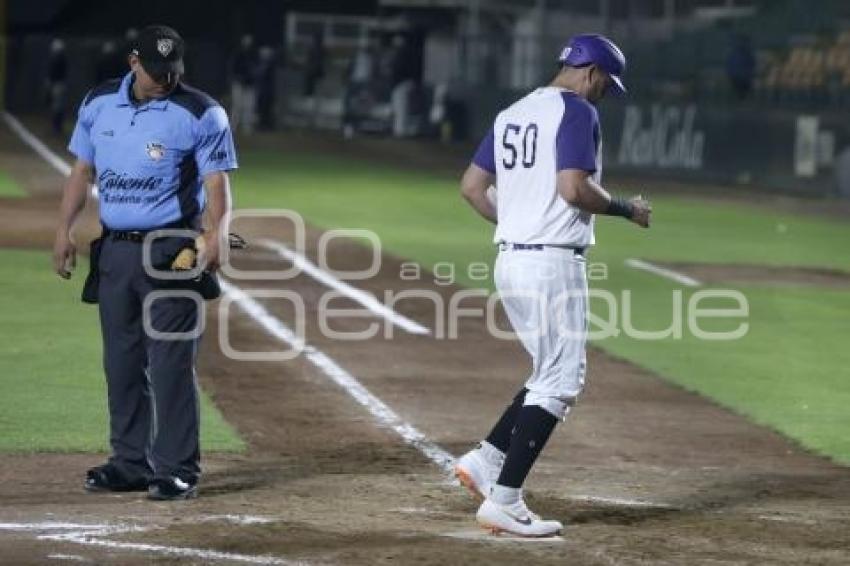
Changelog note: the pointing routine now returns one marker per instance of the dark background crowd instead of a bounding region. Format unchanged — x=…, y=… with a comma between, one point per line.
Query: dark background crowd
x=250, y=69
x=408, y=69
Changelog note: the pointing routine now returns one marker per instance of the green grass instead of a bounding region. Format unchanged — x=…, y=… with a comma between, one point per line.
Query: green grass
x=786, y=373
x=8, y=186
x=52, y=389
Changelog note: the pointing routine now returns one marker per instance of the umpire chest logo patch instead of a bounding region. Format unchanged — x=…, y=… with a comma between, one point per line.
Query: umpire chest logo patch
x=155, y=150
x=164, y=46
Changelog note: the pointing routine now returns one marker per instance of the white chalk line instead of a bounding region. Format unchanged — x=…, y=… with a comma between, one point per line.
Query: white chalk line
x=379, y=410
x=785, y=519
x=37, y=145
x=365, y=299
x=418, y=511
x=241, y=520
x=663, y=272
x=183, y=552
x=486, y=536
x=59, y=164
x=93, y=535
x=621, y=501
x=53, y=526
x=67, y=557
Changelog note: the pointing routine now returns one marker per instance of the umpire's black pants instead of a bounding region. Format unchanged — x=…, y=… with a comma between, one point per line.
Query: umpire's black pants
x=153, y=395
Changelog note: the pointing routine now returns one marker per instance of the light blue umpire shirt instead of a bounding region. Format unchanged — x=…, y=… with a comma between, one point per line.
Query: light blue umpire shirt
x=150, y=158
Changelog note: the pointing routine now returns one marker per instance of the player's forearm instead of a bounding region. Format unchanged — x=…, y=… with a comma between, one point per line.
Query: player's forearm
x=473, y=187
x=580, y=190
x=217, y=187
x=585, y=194
x=74, y=197
x=597, y=200
x=482, y=205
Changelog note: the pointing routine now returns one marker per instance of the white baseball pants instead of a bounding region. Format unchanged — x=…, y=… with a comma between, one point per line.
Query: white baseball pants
x=544, y=293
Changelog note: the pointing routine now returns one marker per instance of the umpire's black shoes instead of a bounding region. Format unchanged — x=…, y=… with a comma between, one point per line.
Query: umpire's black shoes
x=172, y=488
x=109, y=478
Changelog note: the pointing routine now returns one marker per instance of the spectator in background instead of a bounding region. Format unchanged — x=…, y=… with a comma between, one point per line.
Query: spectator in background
x=314, y=66
x=439, y=115
x=358, y=90
x=741, y=66
x=403, y=86
x=243, y=90
x=57, y=78
x=362, y=69
x=384, y=79
x=111, y=64
x=266, y=88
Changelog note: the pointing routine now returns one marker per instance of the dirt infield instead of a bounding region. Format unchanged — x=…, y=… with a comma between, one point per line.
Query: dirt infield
x=641, y=473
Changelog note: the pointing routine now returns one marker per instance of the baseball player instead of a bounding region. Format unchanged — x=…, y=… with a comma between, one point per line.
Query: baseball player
x=152, y=144
x=543, y=156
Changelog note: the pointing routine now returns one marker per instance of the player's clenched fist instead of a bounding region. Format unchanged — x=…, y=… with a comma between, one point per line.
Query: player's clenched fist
x=641, y=211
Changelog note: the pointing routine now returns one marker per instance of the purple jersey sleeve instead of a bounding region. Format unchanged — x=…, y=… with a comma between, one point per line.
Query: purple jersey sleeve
x=485, y=155
x=578, y=136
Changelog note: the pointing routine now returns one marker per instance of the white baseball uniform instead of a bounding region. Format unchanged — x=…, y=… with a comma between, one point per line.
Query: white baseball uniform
x=540, y=270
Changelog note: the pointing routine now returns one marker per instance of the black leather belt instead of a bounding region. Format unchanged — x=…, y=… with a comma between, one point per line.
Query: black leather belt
x=138, y=236
x=504, y=246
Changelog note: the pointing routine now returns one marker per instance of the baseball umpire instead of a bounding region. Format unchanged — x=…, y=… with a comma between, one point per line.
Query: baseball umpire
x=152, y=144
x=543, y=156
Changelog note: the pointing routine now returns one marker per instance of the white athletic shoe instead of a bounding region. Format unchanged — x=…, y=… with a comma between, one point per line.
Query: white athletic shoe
x=515, y=519
x=477, y=474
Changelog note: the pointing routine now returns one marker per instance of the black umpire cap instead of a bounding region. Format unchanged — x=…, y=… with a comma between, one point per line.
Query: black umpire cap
x=160, y=50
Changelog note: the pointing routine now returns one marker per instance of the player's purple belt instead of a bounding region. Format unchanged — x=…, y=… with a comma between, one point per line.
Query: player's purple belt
x=504, y=246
